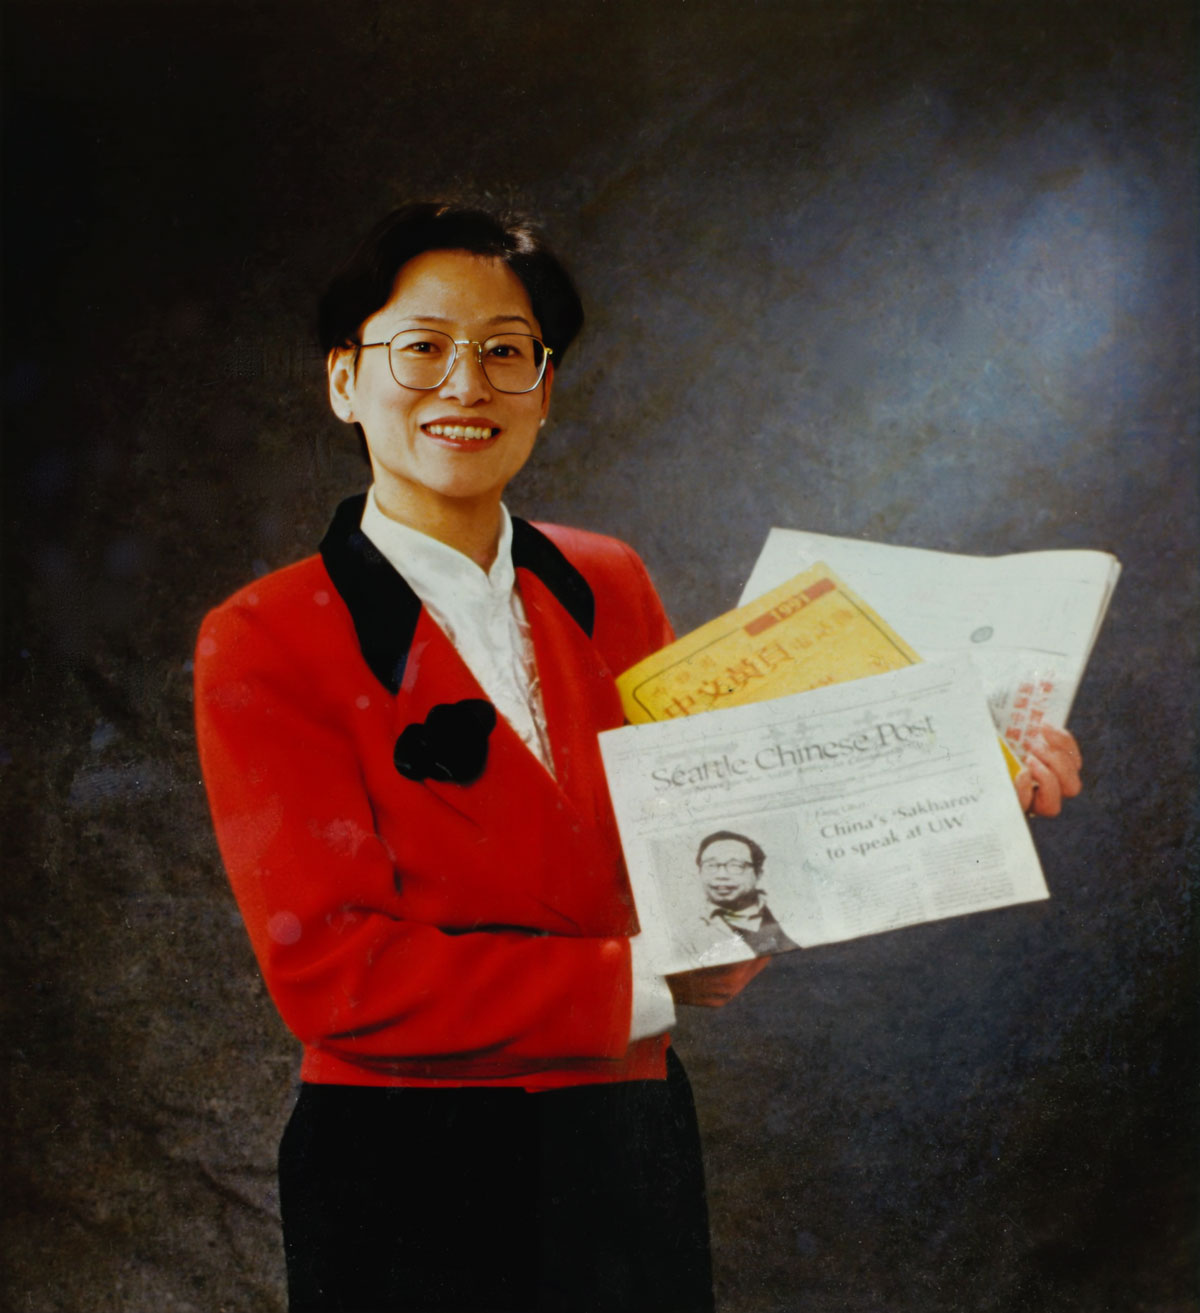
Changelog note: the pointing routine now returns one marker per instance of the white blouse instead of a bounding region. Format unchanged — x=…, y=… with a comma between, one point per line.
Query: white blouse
x=479, y=611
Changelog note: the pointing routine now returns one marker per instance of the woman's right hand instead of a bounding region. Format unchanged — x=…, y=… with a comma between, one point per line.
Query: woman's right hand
x=713, y=987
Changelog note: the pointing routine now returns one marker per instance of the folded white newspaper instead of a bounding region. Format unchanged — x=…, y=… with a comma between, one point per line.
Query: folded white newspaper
x=875, y=804
x=1029, y=621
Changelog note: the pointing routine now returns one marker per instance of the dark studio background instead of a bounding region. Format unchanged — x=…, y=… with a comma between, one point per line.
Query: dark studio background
x=921, y=272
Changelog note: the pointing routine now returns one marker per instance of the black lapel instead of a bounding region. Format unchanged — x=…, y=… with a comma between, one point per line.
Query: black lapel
x=532, y=550
x=382, y=605
x=385, y=609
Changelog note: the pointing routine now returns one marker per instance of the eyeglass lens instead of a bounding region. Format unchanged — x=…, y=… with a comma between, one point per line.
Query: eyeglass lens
x=733, y=866
x=423, y=358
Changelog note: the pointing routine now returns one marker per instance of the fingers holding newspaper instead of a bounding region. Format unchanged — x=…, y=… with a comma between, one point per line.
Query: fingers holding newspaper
x=713, y=987
x=1051, y=775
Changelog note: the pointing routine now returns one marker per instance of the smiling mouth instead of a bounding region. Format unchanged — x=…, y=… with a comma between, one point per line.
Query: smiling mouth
x=461, y=432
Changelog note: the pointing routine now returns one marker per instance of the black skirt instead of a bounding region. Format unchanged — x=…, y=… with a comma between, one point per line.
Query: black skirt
x=588, y=1199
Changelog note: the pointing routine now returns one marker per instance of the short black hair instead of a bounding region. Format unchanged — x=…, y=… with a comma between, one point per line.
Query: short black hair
x=757, y=856
x=364, y=282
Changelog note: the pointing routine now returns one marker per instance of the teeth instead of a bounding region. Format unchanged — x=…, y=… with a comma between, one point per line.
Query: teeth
x=459, y=432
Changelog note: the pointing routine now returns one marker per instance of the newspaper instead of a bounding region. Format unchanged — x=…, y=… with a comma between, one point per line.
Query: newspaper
x=874, y=804
x=1029, y=621
x=809, y=632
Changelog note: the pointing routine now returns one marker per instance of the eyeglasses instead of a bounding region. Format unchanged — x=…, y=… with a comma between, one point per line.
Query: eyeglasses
x=422, y=358
x=733, y=866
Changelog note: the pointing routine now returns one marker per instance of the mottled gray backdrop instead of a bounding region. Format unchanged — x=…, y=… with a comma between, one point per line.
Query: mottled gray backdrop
x=919, y=271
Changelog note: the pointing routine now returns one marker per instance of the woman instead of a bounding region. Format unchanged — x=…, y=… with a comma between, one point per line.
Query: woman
x=489, y=1117
x=399, y=742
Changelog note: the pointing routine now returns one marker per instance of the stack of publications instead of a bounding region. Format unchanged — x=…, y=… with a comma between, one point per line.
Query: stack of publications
x=839, y=784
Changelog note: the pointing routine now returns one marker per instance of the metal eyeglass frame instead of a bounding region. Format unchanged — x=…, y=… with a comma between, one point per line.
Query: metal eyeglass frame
x=732, y=866
x=547, y=352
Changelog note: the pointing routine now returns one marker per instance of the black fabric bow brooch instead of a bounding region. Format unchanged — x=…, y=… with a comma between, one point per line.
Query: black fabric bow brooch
x=450, y=745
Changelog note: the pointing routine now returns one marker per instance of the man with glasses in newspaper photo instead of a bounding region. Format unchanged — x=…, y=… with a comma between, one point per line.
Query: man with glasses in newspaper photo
x=730, y=867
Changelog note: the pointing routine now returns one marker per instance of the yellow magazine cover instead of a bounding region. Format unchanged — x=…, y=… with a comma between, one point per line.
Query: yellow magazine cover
x=810, y=631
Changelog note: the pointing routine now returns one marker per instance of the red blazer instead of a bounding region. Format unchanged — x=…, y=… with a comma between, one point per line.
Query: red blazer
x=426, y=931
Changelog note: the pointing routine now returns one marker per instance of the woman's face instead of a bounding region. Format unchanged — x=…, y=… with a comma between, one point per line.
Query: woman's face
x=416, y=470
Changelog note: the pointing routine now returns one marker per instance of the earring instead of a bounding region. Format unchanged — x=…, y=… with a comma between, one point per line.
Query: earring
x=541, y=423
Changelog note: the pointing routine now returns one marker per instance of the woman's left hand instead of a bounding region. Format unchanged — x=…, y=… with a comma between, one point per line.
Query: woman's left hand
x=1051, y=772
